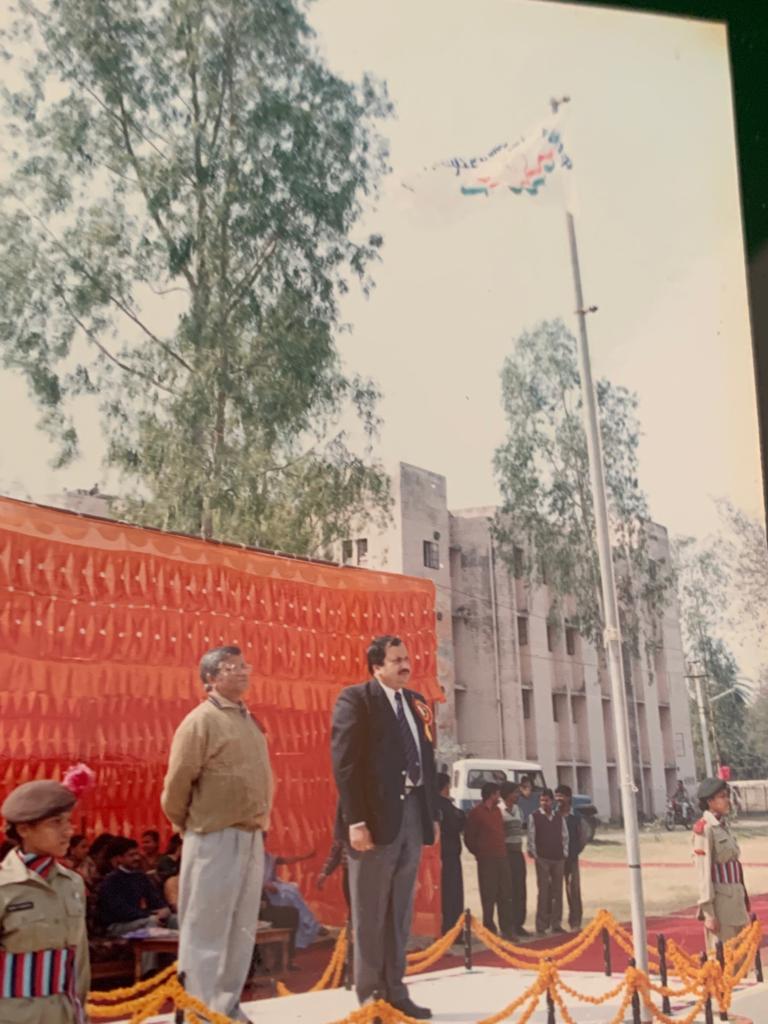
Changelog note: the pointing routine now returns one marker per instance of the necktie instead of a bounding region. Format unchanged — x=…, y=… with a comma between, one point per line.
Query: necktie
x=412, y=761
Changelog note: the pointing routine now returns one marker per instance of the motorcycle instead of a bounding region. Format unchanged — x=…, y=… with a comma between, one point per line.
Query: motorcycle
x=678, y=813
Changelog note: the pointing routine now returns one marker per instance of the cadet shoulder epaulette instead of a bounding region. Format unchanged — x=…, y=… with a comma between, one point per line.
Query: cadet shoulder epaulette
x=698, y=828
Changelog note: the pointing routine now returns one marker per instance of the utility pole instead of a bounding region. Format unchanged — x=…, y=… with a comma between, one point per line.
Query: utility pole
x=703, y=723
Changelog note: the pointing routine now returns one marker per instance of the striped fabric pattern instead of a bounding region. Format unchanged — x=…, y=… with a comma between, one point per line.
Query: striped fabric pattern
x=730, y=872
x=40, y=865
x=46, y=972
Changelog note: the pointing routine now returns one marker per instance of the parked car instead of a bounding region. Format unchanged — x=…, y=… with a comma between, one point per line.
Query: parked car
x=470, y=774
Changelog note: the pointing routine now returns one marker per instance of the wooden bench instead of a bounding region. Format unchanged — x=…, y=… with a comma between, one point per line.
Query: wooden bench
x=279, y=937
x=110, y=958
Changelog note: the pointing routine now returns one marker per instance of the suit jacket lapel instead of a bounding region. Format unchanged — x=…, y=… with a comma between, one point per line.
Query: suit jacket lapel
x=381, y=707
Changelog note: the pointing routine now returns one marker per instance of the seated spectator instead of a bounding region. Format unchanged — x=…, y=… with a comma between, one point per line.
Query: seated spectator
x=150, y=850
x=93, y=872
x=77, y=852
x=99, y=854
x=170, y=862
x=171, y=892
x=287, y=894
x=127, y=899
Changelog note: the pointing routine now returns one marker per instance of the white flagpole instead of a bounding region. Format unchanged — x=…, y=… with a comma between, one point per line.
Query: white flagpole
x=612, y=634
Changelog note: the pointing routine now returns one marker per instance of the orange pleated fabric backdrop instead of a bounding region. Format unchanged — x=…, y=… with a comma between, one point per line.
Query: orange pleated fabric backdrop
x=101, y=629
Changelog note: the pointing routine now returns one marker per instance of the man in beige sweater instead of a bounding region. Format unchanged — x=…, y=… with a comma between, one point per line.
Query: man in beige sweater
x=218, y=795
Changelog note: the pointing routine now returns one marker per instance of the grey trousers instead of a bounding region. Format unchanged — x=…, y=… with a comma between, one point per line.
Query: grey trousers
x=494, y=880
x=381, y=884
x=549, y=905
x=219, y=899
x=572, y=878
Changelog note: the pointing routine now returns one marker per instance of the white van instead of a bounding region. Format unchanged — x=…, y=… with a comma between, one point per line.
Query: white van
x=470, y=775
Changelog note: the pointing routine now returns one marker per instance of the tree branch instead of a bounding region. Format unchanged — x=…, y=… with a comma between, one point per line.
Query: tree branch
x=249, y=278
x=92, y=336
x=126, y=310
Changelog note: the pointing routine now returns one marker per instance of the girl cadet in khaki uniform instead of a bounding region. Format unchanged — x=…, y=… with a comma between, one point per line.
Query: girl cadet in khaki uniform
x=723, y=902
x=44, y=970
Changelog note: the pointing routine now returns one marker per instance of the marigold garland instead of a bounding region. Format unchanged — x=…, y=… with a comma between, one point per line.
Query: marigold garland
x=710, y=980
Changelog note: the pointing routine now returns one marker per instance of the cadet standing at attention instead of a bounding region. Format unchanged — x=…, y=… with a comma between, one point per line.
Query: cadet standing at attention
x=723, y=902
x=44, y=969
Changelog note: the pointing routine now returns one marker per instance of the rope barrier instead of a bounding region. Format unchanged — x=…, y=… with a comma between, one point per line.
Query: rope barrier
x=711, y=980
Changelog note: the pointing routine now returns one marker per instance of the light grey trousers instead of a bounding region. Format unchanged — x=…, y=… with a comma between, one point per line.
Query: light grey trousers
x=219, y=898
x=381, y=884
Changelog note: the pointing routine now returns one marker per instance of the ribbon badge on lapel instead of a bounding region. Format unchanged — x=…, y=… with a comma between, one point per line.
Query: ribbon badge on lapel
x=425, y=714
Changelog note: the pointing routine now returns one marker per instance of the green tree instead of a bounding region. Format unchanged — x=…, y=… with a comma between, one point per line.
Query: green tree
x=744, y=552
x=542, y=468
x=176, y=227
x=703, y=585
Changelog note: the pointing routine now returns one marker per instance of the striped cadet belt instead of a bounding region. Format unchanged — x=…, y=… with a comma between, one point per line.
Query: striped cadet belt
x=730, y=872
x=46, y=972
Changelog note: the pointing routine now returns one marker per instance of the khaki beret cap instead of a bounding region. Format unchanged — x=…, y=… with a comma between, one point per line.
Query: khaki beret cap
x=711, y=787
x=35, y=800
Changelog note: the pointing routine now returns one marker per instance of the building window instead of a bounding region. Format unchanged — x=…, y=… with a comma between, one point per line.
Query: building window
x=346, y=552
x=522, y=630
x=555, y=708
x=526, y=704
x=570, y=639
x=362, y=551
x=431, y=554
x=518, y=562
x=551, y=636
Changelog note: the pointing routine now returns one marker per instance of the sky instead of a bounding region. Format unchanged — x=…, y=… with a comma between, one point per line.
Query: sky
x=650, y=130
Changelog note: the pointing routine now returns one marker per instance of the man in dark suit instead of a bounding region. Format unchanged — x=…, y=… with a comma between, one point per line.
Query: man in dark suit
x=384, y=765
x=452, y=821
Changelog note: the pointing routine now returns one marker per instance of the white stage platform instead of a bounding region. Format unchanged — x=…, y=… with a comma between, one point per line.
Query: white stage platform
x=458, y=996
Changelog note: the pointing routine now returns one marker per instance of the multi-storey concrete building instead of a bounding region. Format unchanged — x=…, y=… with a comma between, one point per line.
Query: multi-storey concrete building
x=519, y=683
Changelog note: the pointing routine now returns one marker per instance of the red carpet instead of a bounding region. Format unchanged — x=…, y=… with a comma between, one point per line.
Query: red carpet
x=681, y=926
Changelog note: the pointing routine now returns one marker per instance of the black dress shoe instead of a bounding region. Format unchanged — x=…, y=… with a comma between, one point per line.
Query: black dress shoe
x=558, y=930
x=523, y=933
x=410, y=1008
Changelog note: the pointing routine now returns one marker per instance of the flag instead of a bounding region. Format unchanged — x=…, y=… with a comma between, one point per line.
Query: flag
x=536, y=166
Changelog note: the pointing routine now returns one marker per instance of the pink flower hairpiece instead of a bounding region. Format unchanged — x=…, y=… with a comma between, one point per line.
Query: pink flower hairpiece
x=79, y=778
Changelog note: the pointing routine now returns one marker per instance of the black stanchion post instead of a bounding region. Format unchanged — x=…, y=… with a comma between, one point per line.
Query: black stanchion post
x=635, y=999
x=607, y=951
x=721, y=961
x=708, y=1016
x=468, y=939
x=348, y=957
x=550, y=1007
x=758, y=958
x=661, y=945
x=178, y=1017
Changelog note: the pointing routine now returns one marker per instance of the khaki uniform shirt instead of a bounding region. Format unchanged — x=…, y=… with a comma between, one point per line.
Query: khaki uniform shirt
x=218, y=772
x=714, y=844
x=50, y=915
